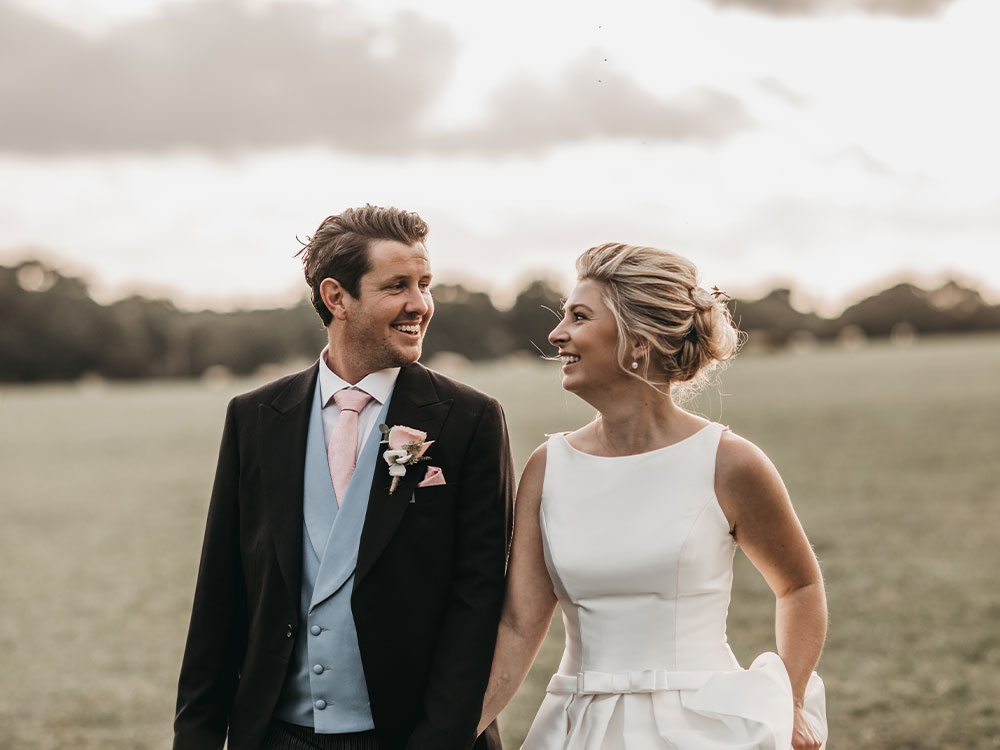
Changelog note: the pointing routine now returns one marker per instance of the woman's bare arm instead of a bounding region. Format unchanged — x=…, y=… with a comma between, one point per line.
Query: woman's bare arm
x=755, y=501
x=529, y=600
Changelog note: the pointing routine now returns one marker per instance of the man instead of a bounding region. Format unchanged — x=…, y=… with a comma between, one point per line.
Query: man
x=343, y=602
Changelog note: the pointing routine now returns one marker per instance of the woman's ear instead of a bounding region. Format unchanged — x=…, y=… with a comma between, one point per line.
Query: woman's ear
x=640, y=350
x=333, y=294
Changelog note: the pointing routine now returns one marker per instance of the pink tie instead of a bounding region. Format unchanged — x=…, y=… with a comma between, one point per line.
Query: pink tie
x=342, y=453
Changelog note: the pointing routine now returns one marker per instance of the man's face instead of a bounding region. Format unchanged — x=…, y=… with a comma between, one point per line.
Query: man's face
x=387, y=321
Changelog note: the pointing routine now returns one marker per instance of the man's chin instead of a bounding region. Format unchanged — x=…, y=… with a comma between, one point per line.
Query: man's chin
x=406, y=356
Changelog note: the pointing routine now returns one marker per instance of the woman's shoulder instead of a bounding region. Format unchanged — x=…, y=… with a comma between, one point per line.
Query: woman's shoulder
x=581, y=439
x=534, y=468
x=529, y=488
x=739, y=460
x=743, y=472
x=535, y=465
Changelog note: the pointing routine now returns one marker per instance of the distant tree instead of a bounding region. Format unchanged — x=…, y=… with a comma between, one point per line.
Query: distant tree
x=53, y=330
x=466, y=322
x=244, y=341
x=948, y=309
x=771, y=321
x=58, y=331
x=534, y=314
x=142, y=336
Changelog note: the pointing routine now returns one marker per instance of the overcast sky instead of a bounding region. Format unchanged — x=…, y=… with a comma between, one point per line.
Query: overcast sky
x=180, y=147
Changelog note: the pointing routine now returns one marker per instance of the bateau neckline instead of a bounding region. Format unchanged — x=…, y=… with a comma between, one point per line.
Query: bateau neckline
x=661, y=449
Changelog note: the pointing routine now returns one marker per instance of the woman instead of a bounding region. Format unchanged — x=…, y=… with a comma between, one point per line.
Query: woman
x=631, y=523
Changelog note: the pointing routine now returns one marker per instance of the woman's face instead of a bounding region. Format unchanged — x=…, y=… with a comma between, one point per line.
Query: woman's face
x=587, y=337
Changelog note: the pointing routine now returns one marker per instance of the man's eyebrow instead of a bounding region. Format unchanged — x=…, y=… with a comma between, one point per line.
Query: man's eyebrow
x=405, y=277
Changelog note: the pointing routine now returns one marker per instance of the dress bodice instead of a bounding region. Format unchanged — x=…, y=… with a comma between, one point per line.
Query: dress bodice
x=640, y=554
x=641, y=559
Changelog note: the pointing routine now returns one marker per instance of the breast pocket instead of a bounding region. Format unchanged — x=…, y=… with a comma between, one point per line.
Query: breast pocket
x=427, y=531
x=425, y=497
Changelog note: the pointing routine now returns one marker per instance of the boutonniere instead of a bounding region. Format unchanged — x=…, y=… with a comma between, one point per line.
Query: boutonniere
x=406, y=448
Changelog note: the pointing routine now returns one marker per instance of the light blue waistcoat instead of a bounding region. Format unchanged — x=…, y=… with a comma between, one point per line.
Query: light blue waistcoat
x=325, y=687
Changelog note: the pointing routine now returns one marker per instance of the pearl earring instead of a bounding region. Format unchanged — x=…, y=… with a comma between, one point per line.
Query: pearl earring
x=635, y=365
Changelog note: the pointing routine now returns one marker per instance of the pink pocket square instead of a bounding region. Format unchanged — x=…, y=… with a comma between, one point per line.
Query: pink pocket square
x=432, y=478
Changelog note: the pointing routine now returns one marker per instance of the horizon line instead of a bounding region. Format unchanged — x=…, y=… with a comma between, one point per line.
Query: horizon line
x=503, y=297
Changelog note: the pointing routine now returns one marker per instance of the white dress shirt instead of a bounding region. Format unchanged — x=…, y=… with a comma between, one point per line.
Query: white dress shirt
x=378, y=385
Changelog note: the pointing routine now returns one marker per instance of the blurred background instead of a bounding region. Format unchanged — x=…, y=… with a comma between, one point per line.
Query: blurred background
x=830, y=164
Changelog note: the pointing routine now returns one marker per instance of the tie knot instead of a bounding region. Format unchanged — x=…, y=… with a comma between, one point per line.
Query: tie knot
x=351, y=399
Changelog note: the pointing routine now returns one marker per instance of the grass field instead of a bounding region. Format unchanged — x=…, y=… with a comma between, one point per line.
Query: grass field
x=890, y=455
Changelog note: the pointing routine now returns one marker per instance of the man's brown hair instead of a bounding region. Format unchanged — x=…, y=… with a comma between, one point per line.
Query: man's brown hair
x=339, y=248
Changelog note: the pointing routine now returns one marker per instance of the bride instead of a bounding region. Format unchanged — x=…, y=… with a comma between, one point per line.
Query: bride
x=630, y=523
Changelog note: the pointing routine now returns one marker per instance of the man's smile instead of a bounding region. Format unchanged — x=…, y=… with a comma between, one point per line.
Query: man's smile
x=410, y=329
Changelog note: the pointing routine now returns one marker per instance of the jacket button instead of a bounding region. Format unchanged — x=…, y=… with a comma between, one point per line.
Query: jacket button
x=315, y=630
x=320, y=704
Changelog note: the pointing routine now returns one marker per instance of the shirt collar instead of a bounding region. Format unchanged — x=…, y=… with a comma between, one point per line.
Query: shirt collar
x=377, y=384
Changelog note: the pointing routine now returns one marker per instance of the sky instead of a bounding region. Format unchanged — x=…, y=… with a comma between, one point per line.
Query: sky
x=182, y=148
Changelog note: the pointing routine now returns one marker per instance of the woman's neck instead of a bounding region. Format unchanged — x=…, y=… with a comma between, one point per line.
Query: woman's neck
x=638, y=419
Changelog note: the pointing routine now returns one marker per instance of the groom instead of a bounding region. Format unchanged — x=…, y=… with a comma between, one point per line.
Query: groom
x=343, y=602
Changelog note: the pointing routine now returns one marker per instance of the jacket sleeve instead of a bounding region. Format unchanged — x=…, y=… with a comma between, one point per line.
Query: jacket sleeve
x=463, y=653
x=216, y=640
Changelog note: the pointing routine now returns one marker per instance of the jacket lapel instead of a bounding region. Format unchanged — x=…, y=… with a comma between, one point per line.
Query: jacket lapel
x=414, y=403
x=281, y=444
x=340, y=550
x=319, y=501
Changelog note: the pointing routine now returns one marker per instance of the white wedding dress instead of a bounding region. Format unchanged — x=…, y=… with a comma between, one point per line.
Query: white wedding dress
x=641, y=558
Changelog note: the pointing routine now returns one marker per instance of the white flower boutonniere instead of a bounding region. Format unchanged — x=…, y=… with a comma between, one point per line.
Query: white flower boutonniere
x=406, y=448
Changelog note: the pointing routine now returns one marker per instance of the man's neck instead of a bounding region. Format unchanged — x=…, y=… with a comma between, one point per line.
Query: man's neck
x=342, y=367
x=338, y=369
x=378, y=384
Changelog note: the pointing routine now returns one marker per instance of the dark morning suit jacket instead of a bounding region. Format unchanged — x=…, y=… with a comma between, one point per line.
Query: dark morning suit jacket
x=428, y=584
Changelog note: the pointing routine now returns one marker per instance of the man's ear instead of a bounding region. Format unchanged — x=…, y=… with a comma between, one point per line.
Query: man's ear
x=333, y=294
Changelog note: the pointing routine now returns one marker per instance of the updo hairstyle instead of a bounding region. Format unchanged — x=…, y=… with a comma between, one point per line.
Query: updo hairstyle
x=655, y=298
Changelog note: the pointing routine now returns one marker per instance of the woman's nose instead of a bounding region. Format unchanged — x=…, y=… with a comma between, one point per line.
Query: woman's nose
x=557, y=335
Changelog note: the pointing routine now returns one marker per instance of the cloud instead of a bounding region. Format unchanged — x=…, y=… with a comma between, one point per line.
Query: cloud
x=860, y=157
x=591, y=101
x=225, y=75
x=911, y=8
x=779, y=90
x=219, y=75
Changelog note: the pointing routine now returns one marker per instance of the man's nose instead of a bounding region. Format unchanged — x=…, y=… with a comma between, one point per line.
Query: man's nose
x=417, y=302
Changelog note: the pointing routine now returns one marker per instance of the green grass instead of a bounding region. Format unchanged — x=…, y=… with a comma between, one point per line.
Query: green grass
x=890, y=455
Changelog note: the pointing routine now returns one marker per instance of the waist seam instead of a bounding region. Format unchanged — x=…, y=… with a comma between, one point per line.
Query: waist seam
x=590, y=682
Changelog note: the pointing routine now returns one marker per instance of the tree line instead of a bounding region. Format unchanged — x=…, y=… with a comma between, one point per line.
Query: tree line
x=54, y=330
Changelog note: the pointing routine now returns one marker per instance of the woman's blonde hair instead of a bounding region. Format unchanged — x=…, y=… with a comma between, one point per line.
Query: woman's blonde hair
x=685, y=330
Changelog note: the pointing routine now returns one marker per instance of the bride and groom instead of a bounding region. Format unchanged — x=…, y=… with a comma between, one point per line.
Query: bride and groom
x=354, y=589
